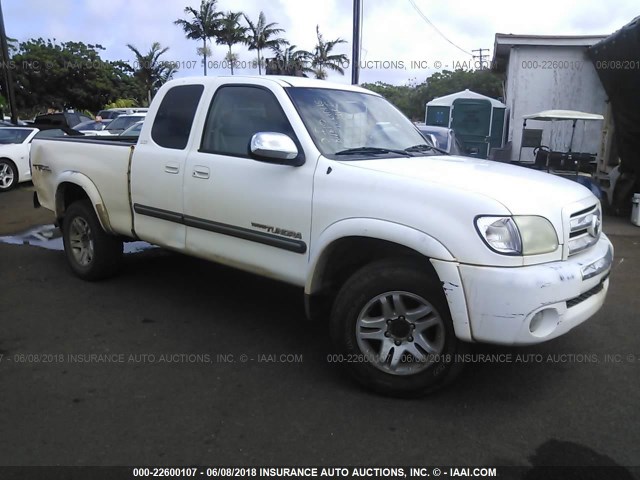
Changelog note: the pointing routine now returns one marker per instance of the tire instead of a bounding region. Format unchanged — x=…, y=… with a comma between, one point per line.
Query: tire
x=392, y=329
x=91, y=253
x=8, y=175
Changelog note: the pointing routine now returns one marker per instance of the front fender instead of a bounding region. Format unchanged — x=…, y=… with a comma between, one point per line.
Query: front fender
x=441, y=259
x=373, y=228
x=84, y=182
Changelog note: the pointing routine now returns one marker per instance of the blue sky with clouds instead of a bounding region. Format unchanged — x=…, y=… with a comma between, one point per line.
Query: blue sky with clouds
x=392, y=30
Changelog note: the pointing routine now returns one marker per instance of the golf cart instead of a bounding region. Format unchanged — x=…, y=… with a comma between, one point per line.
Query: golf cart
x=574, y=165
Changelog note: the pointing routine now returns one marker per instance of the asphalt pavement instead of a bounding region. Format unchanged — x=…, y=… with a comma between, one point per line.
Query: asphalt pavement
x=178, y=361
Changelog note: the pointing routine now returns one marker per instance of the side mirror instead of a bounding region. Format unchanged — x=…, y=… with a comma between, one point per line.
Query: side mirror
x=275, y=147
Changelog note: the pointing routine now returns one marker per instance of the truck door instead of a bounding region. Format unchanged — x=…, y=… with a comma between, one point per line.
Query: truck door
x=158, y=166
x=247, y=213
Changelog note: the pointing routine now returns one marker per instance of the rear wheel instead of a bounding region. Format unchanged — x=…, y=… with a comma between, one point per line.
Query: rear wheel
x=392, y=327
x=8, y=175
x=92, y=253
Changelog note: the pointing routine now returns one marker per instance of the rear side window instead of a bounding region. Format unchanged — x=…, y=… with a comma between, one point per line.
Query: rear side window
x=172, y=125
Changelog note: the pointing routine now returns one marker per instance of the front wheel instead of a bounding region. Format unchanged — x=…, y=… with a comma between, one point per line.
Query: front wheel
x=391, y=325
x=91, y=252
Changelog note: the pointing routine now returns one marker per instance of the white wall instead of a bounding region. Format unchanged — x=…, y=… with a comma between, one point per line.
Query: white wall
x=535, y=83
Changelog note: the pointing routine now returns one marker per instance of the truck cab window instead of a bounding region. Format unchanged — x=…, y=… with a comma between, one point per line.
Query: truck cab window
x=236, y=114
x=172, y=124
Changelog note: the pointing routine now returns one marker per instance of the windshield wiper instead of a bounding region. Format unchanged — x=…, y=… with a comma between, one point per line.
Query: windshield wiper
x=423, y=147
x=372, y=150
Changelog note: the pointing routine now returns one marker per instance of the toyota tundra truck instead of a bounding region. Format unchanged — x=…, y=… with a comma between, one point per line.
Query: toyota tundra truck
x=407, y=253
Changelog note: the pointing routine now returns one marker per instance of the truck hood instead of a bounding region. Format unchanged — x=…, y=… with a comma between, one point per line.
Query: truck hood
x=523, y=191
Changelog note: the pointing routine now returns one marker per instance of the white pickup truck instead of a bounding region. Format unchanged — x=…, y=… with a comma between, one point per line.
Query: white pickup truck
x=409, y=254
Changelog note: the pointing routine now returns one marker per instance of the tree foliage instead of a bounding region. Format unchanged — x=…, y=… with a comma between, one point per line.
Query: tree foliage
x=72, y=74
x=480, y=81
x=411, y=99
x=323, y=60
x=289, y=60
x=402, y=96
x=149, y=70
x=122, y=103
x=202, y=25
x=262, y=35
x=230, y=34
x=68, y=75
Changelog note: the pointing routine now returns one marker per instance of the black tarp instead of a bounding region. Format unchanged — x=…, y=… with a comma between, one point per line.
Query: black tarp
x=617, y=61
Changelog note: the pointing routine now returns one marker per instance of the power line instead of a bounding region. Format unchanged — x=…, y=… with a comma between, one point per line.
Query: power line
x=424, y=17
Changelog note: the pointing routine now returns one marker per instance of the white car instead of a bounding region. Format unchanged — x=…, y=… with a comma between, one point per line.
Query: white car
x=92, y=127
x=15, y=144
x=113, y=113
x=121, y=123
x=134, y=130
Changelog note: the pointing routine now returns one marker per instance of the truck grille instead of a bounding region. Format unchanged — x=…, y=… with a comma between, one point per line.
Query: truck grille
x=585, y=227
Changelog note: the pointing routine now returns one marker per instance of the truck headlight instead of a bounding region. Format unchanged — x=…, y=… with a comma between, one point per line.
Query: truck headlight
x=538, y=235
x=518, y=235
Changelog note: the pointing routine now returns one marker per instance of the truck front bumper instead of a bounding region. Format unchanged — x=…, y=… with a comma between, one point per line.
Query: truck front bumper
x=532, y=304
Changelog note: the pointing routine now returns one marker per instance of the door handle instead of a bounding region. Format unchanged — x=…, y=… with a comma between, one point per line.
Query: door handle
x=200, y=171
x=172, y=168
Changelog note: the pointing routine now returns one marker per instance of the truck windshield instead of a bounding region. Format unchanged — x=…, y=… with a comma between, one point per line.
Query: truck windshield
x=351, y=125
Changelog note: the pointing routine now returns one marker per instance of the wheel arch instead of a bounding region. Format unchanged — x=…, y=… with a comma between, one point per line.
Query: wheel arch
x=374, y=239
x=364, y=239
x=74, y=186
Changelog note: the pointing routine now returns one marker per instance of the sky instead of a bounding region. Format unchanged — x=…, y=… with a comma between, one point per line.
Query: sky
x=398, y=46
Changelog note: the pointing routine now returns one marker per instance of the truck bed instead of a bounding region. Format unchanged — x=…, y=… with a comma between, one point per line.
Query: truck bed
x=104, y=160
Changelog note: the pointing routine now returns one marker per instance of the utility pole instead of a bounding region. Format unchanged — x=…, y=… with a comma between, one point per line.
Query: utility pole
x=480, y=56
x=4, y=51
x=357, y=35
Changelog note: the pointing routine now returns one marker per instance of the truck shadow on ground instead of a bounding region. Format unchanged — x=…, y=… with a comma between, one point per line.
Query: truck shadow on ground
x=563, y=460
x=274, y=312
x=227, y=307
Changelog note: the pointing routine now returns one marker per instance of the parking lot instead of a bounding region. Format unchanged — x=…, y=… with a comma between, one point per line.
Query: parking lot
x=178, y=361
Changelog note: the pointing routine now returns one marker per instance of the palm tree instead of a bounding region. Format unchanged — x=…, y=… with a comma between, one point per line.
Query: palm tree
x=203, y=26
x=323, y=60
x=150, y=71
x=261, y=36
x=231, y=33
x=289, y=61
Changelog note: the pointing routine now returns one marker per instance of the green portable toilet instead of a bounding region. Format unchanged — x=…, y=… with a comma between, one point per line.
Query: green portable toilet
x=478, y=120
